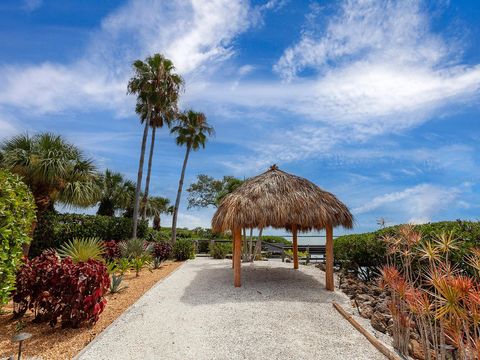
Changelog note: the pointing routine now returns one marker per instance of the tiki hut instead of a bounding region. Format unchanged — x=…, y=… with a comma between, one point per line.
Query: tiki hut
x=281, y=200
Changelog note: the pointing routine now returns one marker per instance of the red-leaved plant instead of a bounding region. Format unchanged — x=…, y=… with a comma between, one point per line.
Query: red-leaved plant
x=428, y=293
x=162, y=250
x=61, y=291
x=112, y=250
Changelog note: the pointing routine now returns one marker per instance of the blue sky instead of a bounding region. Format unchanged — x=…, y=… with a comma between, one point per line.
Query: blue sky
x=375, y=101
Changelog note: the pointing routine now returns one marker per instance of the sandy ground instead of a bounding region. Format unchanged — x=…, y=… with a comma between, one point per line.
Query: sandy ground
x=196, y=313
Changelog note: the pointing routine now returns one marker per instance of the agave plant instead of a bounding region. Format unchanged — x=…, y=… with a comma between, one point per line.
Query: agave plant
x=82, y=250
x=115, y=284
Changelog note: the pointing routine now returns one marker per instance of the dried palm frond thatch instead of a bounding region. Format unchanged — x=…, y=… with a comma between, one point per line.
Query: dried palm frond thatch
x=280, y=200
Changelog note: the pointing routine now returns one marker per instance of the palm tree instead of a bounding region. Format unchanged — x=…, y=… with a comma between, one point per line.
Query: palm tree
x=157, y=90
x=192, y=131
x=158, y=119
x=155, y=206
x=116, y=193
x=54, y=169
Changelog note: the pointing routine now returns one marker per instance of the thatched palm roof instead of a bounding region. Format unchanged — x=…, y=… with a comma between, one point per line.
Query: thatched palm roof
x=280, y=200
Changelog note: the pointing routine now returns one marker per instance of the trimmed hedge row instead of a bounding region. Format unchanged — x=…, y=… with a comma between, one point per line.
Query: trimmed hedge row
x=55, y=229
x=367, y=251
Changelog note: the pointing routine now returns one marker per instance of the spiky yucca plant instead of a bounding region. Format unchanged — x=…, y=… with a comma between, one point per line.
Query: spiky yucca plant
x=81, y=250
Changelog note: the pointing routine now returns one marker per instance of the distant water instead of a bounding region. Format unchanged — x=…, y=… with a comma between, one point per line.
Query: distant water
x=308, y=240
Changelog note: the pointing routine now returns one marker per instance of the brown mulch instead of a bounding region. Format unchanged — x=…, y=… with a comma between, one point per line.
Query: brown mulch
x=56, y=343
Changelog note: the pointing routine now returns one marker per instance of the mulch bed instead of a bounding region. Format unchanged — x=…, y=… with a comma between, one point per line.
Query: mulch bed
x=56, y=343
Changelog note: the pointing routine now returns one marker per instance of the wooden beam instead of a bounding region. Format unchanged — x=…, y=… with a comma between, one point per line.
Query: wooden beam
x=237, y=257
x=373, y=340
x=329, y=283
x=295, y=247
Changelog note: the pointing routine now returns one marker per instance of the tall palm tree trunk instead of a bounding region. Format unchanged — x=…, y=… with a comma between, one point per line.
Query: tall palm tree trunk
x=140, y=174
x=149, y=171
x=179, y=194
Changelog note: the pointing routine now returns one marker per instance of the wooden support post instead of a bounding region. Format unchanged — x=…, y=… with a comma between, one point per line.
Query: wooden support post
x=237, y=257
x=295, y=247
x=233, y=249
x=329, y=284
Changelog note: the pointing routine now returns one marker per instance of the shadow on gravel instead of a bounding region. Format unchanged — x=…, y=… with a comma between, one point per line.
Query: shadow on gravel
x=213, y=284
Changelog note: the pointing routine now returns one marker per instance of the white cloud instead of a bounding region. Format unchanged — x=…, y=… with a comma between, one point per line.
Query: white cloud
x=32, y=5
x=195, y=34
x=418, y=203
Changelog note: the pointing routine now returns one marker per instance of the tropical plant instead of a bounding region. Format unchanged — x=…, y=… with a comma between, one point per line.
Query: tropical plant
x=116, y=193
x=112, y=251
x=220, y=251
x=183, y=250
x=156, y=206
x=116, y=283
x=82, y=250
x=156, y=263
x=54, y=229
x=157, y=89
x=54, y=169
x=140, y=262
x=162, y=250
x=122, y=266
x=135, y=248
x=432, y=296
x=192, y=131
x=17, y=213
x=60, y=290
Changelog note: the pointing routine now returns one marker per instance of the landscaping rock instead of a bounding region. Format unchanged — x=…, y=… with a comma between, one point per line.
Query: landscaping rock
x=379, y=322
x=416, y=350
x=366, y=311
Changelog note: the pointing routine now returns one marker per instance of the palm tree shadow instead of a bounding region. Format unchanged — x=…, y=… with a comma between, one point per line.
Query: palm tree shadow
x=213, y=284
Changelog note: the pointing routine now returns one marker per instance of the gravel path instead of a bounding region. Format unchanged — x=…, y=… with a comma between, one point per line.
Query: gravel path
x=196, y=313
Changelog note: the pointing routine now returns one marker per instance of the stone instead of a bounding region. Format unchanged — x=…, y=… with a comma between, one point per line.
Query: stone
x=379, y=322
x=366, y=311
x=365, y=298
x=382, y=307
x=416, y=350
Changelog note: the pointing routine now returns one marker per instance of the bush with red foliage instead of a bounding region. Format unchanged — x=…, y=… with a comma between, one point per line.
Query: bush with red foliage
x=112, y=250
x=162, y=250
x=61, y=291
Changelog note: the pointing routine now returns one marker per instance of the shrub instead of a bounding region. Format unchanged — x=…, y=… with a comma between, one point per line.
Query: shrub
x=17, y=213
x=220, y=250
x=60, y=290
x=184, y=250
x=362, y=253
x=275, y=239
x=162, y=251
x=366, y=252
x=82, y=250
x=134, y=248
x=56, y=229
x=112, y=250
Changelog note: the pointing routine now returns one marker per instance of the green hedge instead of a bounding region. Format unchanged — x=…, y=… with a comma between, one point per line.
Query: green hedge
x=17, y=213
x=367, y=250
x=184, y=250
x=55, y=229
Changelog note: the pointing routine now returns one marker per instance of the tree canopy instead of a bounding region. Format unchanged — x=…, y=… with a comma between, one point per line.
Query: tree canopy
x=208, y=191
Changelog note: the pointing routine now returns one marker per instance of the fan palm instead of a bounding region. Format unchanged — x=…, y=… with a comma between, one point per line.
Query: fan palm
x=157, y=89
x=54, y=169
x=82, y=250
x=154, y=207
x=116, y=193
x=192, y=131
